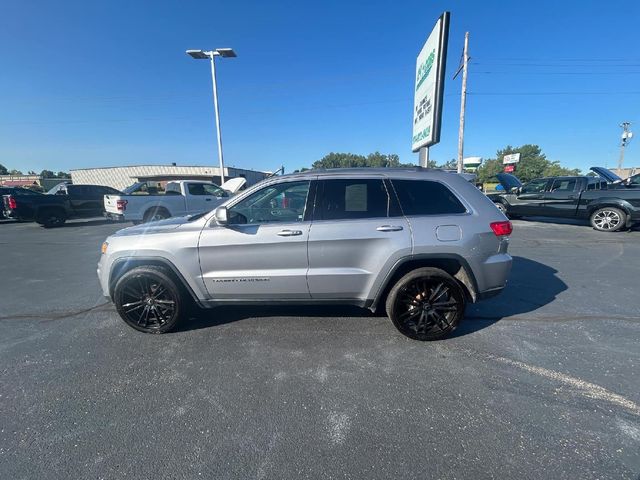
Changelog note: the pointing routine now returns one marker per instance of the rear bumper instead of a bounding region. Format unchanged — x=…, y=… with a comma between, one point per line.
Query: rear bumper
x=489, y=294
x=492, y=274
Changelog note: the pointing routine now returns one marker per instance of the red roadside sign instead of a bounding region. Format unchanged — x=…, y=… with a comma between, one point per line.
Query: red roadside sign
x=509, y=168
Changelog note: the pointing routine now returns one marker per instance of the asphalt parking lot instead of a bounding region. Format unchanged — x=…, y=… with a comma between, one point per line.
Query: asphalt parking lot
x=540, y=382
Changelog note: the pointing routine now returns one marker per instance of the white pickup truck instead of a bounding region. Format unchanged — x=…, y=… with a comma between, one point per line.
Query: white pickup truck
x=182, y=197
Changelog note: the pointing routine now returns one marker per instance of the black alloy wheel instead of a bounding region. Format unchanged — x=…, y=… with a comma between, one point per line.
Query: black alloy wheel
x=148, y=300
x=426, y=304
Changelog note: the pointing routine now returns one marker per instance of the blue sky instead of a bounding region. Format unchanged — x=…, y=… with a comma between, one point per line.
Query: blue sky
x=108, y=83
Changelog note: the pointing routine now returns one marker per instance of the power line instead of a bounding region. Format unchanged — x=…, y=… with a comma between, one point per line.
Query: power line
x=511, y=72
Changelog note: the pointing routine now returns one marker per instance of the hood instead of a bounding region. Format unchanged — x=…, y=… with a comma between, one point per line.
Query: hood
x=607, y=174
x=508, y=181
x=160, y=226
x=234, y=185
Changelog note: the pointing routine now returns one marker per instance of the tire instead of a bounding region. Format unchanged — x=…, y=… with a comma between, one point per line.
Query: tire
x=149, y=300
x=501, y=207
x=155, y=214
x=608, y=219
x=426, y=304
x=52, y=217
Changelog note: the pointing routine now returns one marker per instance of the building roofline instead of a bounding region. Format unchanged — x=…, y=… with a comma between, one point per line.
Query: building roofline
x=165, y=165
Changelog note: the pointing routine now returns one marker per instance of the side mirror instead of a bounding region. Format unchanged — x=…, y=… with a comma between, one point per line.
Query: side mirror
x=221, y=215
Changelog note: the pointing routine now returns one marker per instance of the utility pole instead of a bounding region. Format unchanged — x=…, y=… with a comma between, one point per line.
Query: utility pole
x=463, y=101
x=626, y=137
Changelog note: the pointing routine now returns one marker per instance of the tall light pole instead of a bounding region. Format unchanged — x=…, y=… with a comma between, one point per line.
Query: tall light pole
x=211, y=55
x=626, y=138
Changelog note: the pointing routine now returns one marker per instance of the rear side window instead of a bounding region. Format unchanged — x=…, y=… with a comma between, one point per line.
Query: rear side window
x=352, y=199
x=424, y=197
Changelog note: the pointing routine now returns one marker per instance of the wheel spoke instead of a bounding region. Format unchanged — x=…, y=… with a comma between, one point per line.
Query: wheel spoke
x=159, y=315
x=166, y=302
x=126, y=305
x=441, y=320
x=144, y=315
x=409, y=300
x=409, y=315
x=447, y=306
x=133, y=309
x=440, y=291
x=158, y=291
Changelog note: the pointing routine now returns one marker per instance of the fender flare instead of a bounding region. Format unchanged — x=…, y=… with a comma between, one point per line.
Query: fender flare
x=467, y=274
x=119, y=267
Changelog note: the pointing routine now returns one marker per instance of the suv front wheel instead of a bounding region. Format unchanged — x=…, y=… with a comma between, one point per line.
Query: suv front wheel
x=426, y=304
x=149, y=300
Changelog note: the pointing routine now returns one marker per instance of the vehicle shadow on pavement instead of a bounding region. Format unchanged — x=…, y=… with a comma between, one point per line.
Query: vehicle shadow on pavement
x=205, y=318
x=89, y=223
x=531, y=286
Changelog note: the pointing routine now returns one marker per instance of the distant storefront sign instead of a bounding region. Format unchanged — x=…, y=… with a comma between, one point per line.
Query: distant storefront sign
x=513, y=158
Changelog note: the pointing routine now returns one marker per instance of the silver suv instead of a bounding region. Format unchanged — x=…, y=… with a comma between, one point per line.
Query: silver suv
x=418, y=243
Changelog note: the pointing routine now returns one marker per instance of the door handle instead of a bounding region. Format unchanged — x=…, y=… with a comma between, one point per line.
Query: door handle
x=207, y=199
x=289, y=233
x=389, y=228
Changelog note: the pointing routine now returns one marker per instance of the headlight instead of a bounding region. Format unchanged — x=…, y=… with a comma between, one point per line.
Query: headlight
x=105, y=245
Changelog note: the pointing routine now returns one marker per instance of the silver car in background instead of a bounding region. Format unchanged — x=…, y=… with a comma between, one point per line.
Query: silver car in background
x=419, y=244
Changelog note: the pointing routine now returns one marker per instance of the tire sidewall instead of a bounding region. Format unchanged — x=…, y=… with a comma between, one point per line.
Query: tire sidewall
x=431, y=274
x=161, y=276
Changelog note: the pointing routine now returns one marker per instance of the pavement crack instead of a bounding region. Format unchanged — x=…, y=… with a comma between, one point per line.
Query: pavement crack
x=57, y=315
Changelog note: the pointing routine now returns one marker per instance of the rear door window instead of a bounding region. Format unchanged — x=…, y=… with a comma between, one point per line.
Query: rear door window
x=425, y=197
x=564, y=185
x=352, y=199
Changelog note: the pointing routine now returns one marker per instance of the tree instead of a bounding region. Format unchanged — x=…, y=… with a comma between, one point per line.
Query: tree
x=533, y=164
x=348, y=160
x=62, y=175
x=3, y=170
x=15, y=172
x=47, y=174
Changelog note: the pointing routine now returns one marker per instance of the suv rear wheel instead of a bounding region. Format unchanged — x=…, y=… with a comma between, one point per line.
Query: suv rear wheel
x=149, y=300
x=426, y=304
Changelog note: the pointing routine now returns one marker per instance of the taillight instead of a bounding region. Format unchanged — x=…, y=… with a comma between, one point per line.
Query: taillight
x=121, y=205
x=12, y=203
x=502, y=228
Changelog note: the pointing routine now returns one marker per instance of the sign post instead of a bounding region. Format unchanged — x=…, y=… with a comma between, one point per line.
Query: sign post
x=429, y=89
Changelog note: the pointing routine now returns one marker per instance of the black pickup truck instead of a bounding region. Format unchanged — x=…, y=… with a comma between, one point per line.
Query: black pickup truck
x=12, y=191
x=74, y=201
x=607, y=203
